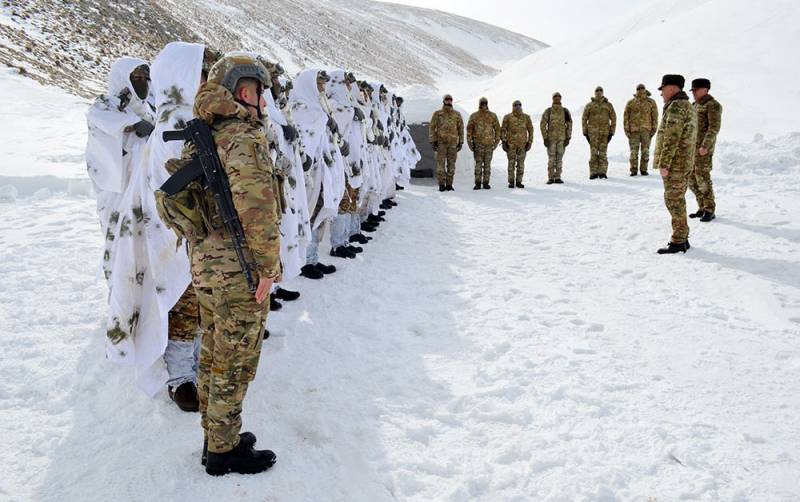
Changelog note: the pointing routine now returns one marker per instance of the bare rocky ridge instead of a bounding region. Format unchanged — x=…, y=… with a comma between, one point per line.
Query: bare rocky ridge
x=72, y=43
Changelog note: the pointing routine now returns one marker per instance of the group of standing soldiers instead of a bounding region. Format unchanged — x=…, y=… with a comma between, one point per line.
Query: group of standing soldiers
x=683, y=156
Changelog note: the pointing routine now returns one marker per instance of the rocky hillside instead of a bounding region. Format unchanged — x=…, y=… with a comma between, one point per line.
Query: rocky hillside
x=71, y=43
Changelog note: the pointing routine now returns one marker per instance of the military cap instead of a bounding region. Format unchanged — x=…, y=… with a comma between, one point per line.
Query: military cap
x=598, y=89
x=446, y=97
x=672, y=80
x=640, y=87
x=556, y=94
x=701, y=83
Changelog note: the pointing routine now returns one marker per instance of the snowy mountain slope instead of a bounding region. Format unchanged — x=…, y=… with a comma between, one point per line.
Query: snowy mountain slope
x=72, y=44
x=745, y=48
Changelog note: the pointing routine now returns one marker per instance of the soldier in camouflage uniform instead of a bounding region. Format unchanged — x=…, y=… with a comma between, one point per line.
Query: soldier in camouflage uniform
x=517, y=136
x=233, y=318
x=674, y=157
x=556, y=127
x=599, y=125
x=709, y=122
x=640, y=122
x=483, y=136
x=446, y=136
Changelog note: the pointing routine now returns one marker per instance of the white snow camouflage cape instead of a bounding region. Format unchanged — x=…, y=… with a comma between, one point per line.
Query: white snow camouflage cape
x=343, y=105
x=326, y=175
x=295, y=222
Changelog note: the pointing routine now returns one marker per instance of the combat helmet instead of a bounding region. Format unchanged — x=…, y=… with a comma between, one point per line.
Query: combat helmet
x=235, y=66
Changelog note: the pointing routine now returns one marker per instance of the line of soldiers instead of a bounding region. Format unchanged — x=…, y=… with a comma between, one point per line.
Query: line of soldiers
x=320, y=151
x=599, y=123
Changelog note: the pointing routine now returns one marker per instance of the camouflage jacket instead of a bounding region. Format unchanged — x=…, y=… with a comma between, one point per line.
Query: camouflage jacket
x=599, y=118
x=675, y=143
x=244, y=153
x=517, y=129
x=447, y=127
x=709, y=121
x=483, y=129
x=556, y=124
x=641, y=114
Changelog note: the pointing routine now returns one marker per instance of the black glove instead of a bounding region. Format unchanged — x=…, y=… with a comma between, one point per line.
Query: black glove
x=459, y=146
x=332, y=125
x=566, y=142
x=547, y=143
x=528, y=146
x=289, y=133
x=358, y=115
x=345, y=149
x=610, y=136
x=505, y=146
x=435, y=146
x=587, y=138
x=143, y=128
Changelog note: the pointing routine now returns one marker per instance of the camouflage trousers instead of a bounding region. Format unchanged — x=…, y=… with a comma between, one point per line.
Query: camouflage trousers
x=516, y=163
x=640, y=151
x=555, y=160
x=598, y=149
x=184, y=318
x=675, y=184
x=483, y=163
x=700, y=183
x=446, y=164
x=233, y=330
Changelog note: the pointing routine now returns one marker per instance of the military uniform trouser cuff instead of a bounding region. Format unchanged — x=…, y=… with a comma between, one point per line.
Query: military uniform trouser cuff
x=181, y=360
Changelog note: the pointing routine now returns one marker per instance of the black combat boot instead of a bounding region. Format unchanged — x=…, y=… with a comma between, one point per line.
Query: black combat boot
x=325, y=269
x=558, y=181
x=311, y=272
x=486, y=186
x=359, y=238
x=243, y=460
x=373, y=218
x=398, y=187
x=274, y=304
x=381, y=213
x=593, y=176
x=368, y=227
x=520, y=185
x=442, y=188
x=699, y=214
x=707, y=216
x=248, y=438
x=266, y=335
x=343, y=252
x=286, y=295
x=185, y=396
x=602, y=176
x=354, y=249
x=633, y=173
x=449, y=188
x=550, y=181
x=391, y=203
x=645, y=173
x=675, y=248
x=477, y=186
x=510, y=185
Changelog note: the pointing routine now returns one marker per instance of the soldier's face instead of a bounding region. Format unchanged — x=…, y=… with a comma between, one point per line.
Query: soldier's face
x=320, y=85
x=140, y=85
x=448, y=102
x=668, y=91
x=699, y=93
x=598, y=94
x=251, y=93
x=556, y=100
x=483, y=105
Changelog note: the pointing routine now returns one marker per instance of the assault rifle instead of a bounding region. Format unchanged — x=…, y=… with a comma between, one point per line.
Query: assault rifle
x=207, y=169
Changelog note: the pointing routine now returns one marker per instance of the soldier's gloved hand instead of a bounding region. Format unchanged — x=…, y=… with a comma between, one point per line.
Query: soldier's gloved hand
x=610, y=136
x=289, y=133
x=547, y=143
x=332, y=125
x=435, y=146
x=143, y=128
x=566, y=142
x=459, y=146
x=587, y=138
x=358, y=115
x=505, y=146
x=528, y=146
x=345, y=149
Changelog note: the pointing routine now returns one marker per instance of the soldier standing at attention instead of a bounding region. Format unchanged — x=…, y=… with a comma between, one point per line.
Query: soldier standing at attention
x=599, y=125
x=446, y=137
x=675, y=148
x=640, y=122
x=709, y=122
x=517, y=136
x=483, y=136
x=556, y=127
x=232, y=317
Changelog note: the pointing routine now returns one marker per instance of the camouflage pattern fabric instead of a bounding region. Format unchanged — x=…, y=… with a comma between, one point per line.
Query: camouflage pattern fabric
x=446, y=127
x=483, y=129
x=598, y=153
x=184, y=318
x=517, y=129
x=599, y=122
x=675, y=149
x=556, y=124
x=555, y=159
x=233, y=331
x=349, y=203
x=516, y=163
x=639, y=142
x=446, y=163
x=483, y=163
x=709, y=122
